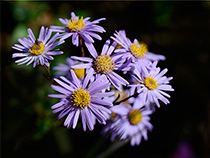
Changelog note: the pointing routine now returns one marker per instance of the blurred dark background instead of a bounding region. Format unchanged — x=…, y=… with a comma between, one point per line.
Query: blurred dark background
x=178, y=30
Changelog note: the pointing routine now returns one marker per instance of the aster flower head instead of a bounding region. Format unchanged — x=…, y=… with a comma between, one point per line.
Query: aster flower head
x=152, y=84
x=37, y=50
x=130, y=122
x=103, y=64
x=77, y=26
x=80, y=98
x=134, y=51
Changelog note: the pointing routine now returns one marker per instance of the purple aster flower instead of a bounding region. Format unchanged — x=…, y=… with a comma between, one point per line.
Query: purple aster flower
x=134, y=51
x=103, y=64
x=130, y=122
x=77, y=26
x=80, y=98
x=64, y=70
x=151, y=84
x=37, y=50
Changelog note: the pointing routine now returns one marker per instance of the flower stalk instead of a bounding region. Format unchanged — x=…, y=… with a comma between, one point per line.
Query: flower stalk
x=81, y=46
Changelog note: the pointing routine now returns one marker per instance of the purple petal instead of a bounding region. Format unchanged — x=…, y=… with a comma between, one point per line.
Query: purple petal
x=111, y=48
x=87, y=38
x=101, y=102
x=66, y=35
x=56, y=96
x=73, y=15
x=21, y=60
x=75, y=39
x=69, y=120
x=166, y=87
x=100, y=117
x=58, y=109
x=18, y=47
x=64, y=112
x=76, y=116
x=57, y=28
x=62, y=21
x=41, y=34
x=27, y=41
x=99, y=84
x=41, y=60
x=98, y=20
x=87, y=78
x=64, y=85
x=114, y=83
x=82, y=66
x=94, y=35
x=60, y=89
x=101, y=108
x=88, y=119
x=48, y=34
x=25, y=61
x=91, y=49
x=118, y=78
x=36, y=61
x=87, y=59
x=32, y=59
x=54, y=53
x=15, y=55
x=57, y=105
x=31, y=35
x=161, y=74
x=67, y=81
x=83, y=120
x=52, y=40
x=105, y=47
x=100, y=95
x=75, y=79
x=23, y=43
x=120, y=109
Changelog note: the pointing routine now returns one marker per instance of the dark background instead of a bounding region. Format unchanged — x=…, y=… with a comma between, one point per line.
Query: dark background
x=178, y=30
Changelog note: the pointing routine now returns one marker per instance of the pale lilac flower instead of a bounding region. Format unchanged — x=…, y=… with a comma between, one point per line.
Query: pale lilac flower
x=37, y=50
x=130, y=122
x=80, y=98
x=77, y=26
x=134, y=51
x=152, y=84
x=103, y=64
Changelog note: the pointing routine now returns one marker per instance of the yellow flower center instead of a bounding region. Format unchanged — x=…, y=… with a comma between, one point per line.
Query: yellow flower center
x=37, y=48
x=134, y=117
x=104, y=64
x=81, y=98
x=150, y=83
x=138, y=52
x=80, y=73
x=75, y=25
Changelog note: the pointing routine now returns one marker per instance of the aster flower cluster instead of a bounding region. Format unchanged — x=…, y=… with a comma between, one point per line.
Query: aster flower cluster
x=94, y=87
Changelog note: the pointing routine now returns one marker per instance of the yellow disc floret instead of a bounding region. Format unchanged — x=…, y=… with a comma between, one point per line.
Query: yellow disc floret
x=81, y=98
x=104, y=64
x=150, y=83
x=138, y=51
x=75, y=24
x=80, y=73
x=37, y=48
x=134, y=117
